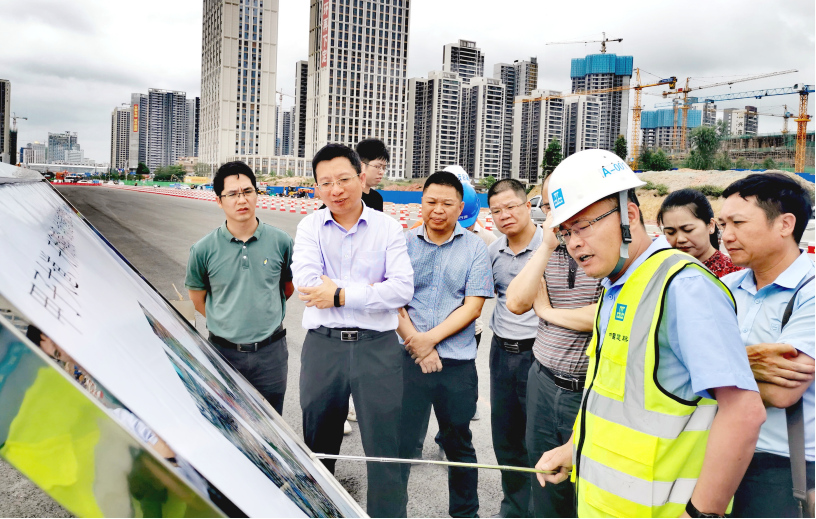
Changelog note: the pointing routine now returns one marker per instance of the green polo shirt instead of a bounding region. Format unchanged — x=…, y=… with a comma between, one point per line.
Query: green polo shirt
x=244, y=281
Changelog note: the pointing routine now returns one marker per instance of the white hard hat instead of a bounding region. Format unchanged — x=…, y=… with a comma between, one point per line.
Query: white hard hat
x=584, y=178
x=460, y=173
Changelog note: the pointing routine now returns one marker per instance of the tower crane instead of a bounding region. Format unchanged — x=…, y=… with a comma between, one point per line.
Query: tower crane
x=602, y=41
x=801, y=121
x=685, y=106
x=14, y=118
x=785, y=115
x=638, y=88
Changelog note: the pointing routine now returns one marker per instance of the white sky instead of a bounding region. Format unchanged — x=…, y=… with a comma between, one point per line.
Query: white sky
x=71, y=63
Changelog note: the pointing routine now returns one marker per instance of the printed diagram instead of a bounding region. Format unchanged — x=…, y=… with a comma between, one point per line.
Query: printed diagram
x=54, y=284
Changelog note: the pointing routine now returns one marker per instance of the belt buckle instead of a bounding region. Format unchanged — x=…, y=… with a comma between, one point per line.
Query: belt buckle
x=250, y=348
x=512, y=347
x=349, y=335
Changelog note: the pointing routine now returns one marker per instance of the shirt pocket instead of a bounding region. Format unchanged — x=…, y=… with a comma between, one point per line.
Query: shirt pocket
x=368, y=267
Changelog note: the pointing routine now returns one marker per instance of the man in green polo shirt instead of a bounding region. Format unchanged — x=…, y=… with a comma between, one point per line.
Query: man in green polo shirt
x=239, y=277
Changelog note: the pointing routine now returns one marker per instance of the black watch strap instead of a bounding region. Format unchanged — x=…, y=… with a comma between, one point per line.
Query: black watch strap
x=337, y=297
x=693, y=512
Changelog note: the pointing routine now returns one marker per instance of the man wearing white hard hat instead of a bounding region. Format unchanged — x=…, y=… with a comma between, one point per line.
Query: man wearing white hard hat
x=649, y=440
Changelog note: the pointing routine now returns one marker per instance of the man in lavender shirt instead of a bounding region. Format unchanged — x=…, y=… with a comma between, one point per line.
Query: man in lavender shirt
x=351, y=267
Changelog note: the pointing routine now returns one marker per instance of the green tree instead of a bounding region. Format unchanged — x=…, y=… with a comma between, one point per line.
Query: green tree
x=169, y=173
x=645, y=159
x=552, y=157
x=201, y=169
x=722, y=161
x=704, y=145
x=722, y=129
x=660, y=161
x=488, y=182
x=142, y=169
x=742, y=163
x=620, y=147
x=768, y=163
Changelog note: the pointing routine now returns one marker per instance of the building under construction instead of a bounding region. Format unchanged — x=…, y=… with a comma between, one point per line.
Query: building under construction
x=780, y=147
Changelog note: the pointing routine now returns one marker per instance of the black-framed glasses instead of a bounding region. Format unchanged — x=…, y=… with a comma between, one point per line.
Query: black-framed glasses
x=235, y=195
x=583, y=228
x=342, y=183
x=381, y=167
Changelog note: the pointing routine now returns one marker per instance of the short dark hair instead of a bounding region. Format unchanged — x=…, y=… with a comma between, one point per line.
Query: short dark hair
x=372, y=149
x=445, y=178
x=697, y=203
x=231, y=168
x=776, y=194
x=507, y=184
x=333, y=151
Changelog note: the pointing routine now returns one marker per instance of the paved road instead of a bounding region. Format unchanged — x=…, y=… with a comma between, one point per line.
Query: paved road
x=155, y=233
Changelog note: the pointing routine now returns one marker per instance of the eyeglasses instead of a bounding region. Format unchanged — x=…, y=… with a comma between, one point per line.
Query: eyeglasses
x=234, y=195
x=510, y=208
x=583, y=228
x=381, y=167
x=342, y=183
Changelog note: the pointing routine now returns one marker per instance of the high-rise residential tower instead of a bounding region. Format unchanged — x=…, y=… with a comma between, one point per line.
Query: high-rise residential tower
x=482, y=127
x=604, y=71
x=193, y=112
x=519, y=78
x=120, y=137
x=283, y=131
x=658, y=127
x=35, y=153
x=166, y=127
x=432, y=132
x=357, y=83
x=5, y=118
x=464, y=58
x=582, y=119
x=299, y=114
x=238, y=79
x=536, y=122
x=138, y=131
x=741, y=121
x=709, y=114
x=59, y=144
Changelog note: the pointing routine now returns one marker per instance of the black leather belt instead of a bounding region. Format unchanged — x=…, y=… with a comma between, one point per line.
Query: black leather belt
x=350, y=334
x=279, y=334
x=515, y=345
x=564, y=383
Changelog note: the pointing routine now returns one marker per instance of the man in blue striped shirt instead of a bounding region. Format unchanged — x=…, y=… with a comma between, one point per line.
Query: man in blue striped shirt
x=452, y=279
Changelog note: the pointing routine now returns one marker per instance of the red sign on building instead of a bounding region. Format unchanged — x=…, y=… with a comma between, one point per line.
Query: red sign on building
x=324, y=34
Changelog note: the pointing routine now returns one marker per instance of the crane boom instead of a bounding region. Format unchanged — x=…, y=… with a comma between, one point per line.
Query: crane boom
x=602, y=41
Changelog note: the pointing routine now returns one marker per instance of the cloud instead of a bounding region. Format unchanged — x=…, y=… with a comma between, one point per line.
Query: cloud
x=71, y=63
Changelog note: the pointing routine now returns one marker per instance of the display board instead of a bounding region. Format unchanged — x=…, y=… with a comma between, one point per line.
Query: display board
x=61, y=275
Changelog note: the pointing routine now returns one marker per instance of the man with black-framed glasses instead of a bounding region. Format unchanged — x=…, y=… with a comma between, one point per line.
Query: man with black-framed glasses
x=374, y=157
x=239, y=277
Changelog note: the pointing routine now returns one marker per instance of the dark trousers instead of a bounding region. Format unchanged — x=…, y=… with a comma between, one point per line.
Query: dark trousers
x=371, y=371
x=438, y=437
x=766, y=489
x=551, y=413
x=508, y=423
x=452, y=392
x=266, y=369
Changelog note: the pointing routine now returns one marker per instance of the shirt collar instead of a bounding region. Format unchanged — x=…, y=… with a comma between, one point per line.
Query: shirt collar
x=227, y=235
x=534, y=244
x=658, y=244
x=327, y=216
x=790, y=278
x=457, y=231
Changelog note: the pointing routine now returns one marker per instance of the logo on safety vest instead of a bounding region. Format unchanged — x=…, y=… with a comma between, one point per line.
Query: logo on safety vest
x=558, y=198
x=620, y=312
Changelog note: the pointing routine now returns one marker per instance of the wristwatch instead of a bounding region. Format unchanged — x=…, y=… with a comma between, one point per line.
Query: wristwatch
x=337, y=297
x=693, y=512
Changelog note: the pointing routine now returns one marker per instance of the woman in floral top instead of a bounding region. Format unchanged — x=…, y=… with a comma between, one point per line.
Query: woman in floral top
x=688, y=222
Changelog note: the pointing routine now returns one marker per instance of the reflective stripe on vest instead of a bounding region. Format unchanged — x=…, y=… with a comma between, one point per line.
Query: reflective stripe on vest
x=638, y=448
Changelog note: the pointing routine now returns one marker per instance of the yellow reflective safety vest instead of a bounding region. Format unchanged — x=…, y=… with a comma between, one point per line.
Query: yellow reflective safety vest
x=638, y=449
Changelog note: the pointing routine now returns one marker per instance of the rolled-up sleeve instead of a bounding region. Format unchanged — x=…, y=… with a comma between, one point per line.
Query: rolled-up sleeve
x=480, y=276
x=397, y=287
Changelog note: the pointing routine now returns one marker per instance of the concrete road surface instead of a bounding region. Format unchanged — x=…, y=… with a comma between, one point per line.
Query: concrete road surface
x=154, y=233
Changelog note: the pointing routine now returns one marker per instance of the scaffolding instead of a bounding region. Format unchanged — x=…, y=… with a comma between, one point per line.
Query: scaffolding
x=779, y=147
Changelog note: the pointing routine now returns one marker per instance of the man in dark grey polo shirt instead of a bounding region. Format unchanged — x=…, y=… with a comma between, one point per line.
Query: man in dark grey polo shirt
x=511, y=352
x=239, y=277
